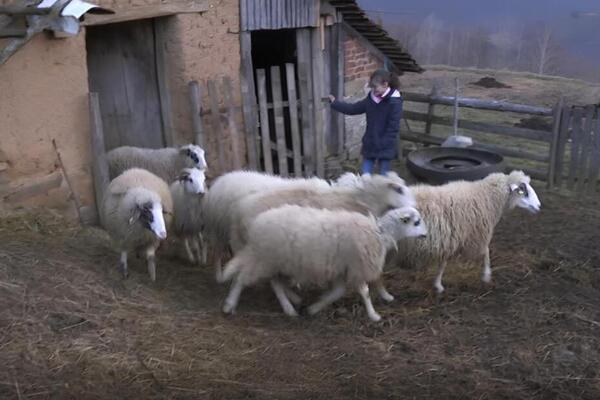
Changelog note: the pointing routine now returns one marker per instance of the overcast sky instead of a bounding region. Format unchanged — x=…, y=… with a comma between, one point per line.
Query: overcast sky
x=581, y=35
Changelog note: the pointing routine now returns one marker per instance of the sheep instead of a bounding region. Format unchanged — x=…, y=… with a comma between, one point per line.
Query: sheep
x=318, y=247
x=187, y=192
x=166, y=163
x=369, y=194
x=137, y=208
x=226, y=190
x=461, y=217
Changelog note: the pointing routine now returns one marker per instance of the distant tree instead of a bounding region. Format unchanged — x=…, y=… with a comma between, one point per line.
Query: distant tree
x=429, y=38
x=546, y=50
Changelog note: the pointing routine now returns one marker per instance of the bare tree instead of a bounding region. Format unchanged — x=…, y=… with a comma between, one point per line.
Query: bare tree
x=547, y=50
x=428, y=38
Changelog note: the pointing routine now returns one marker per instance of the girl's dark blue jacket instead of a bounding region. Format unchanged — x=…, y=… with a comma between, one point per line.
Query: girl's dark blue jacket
x=383, y=124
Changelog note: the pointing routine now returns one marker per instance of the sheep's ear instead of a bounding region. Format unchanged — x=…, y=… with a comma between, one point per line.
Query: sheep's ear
x=396, y=187
x=185, y=150
x=184, y=177
x=513, y=187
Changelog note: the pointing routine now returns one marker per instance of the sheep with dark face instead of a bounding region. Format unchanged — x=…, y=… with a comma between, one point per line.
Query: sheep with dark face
x=188, y=192
x=137, y=209
x=165, y=163
x=318, y=247
x=461, y=217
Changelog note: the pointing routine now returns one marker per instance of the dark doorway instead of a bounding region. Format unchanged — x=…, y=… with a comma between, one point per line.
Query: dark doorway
x=121, y=62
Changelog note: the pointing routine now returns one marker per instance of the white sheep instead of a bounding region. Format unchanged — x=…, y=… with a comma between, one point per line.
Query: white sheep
x=318, y=247
x=187, y=192
x=166, y=162
x=368, y=194
x=226, y=190
x=461, y=217
x=137, y=209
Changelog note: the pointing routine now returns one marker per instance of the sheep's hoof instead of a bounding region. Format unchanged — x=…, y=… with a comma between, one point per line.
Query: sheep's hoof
x=388, y=298
x=375, y=317
x=228, y=309
x=439, y=289
x=310, y=310
x=123, y=270
x=291, y=313
x=486, y=278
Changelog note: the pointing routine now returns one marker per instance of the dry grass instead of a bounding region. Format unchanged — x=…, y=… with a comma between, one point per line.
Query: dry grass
x=70, y=327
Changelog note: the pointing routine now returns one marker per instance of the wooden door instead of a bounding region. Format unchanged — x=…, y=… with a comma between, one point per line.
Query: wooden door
x=122, y=70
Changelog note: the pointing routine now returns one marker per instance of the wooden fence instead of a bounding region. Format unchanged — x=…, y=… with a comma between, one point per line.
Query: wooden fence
x=285, y=136
x=546, y=139
x=578, y=149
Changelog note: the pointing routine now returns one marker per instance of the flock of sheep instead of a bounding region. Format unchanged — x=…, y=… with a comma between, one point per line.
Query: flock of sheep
x=298, y=233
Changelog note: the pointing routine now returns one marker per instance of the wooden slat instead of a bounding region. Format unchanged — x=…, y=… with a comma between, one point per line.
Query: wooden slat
x=428, y=139
x=249, y=99
x=318, y=88
x=562, y=143
x=329, y=133
x=145, y=12
x=586, y=137
x=217, y=130
x=233, y=128
x=162, y=74
x=493, y=105
x=279, y=122
x=594, y=157
x=576, y=138
x=265, y=133
x=556, y=119
x=99, y=162
x=295, y=130
x=510, y=131
x=339, y=93
x=195, y=101
x=308, y=122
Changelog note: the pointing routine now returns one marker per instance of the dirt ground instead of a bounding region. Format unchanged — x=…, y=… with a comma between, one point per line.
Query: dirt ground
x=71, y=328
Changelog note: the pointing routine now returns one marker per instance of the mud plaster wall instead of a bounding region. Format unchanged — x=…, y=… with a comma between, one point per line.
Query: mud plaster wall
x=43, y=96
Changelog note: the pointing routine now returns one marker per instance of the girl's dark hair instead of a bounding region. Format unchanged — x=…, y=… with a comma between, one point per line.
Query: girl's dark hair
x=381, y=76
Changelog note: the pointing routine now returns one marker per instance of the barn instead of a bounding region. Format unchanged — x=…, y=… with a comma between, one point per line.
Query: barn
x=244, y=78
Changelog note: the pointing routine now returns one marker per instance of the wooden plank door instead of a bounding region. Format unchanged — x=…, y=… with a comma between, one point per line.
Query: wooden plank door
x=122, y=70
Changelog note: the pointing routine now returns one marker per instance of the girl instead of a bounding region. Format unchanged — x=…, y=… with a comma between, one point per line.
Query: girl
x=383, y=106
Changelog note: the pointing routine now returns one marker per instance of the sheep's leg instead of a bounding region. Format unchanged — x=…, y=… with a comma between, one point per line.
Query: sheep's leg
x=438, y=279
x=279, y=290
x=204, y=248
x=188, y=250
x=123, y=264
x=234, y=296
x=151, y=260
x=363, y=291
x=487, y=270
x=329, y=297
x=293, y=296
x=196, y=248
x=383, y=293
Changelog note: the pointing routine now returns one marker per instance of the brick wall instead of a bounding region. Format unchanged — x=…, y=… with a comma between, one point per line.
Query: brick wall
x=359, y=62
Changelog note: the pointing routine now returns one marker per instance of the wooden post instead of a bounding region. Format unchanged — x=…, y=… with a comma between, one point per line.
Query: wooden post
x=305, y=88
x=293, y=107
x=99, y=162
x=339, y=93
x=249, y=107
x=74, y=196
x=430, y=109
x=563, y=135
x=265, y=132
x=455, y=111
x=279, y=122
x=557, y=113
x=195, y=101
x=162, y=77
x=595, y=157
x=586, y=138
x=216, y=123
x=233, y=129
x=317, y=84
x=576, y=136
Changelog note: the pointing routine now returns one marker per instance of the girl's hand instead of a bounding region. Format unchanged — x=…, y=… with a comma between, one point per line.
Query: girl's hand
x=331, y=98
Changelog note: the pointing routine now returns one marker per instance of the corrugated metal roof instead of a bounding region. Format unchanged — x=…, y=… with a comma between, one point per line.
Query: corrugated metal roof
x=376, y=35
x=278, y=14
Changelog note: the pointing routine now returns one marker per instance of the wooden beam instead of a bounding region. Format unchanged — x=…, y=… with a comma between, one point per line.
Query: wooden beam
x=306, y=89
x=576, y=138
x=586, y=138
x=493, y=105
x=195, y=101
x=213, y=98
x=562, y=143
x=430, y=110
x=294, y=121
x=249, y=100
x=233, y=128
x=145, y=12
x=20, y=10
x=99, y=162
x=317, y=87
x=265, y=132
x=279, y=121
x=595, y=158
x=162, y=76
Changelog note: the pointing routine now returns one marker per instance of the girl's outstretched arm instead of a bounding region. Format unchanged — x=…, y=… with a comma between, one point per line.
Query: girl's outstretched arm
x=349, y=108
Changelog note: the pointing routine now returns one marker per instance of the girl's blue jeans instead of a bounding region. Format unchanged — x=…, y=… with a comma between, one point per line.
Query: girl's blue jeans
x=368, y=166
